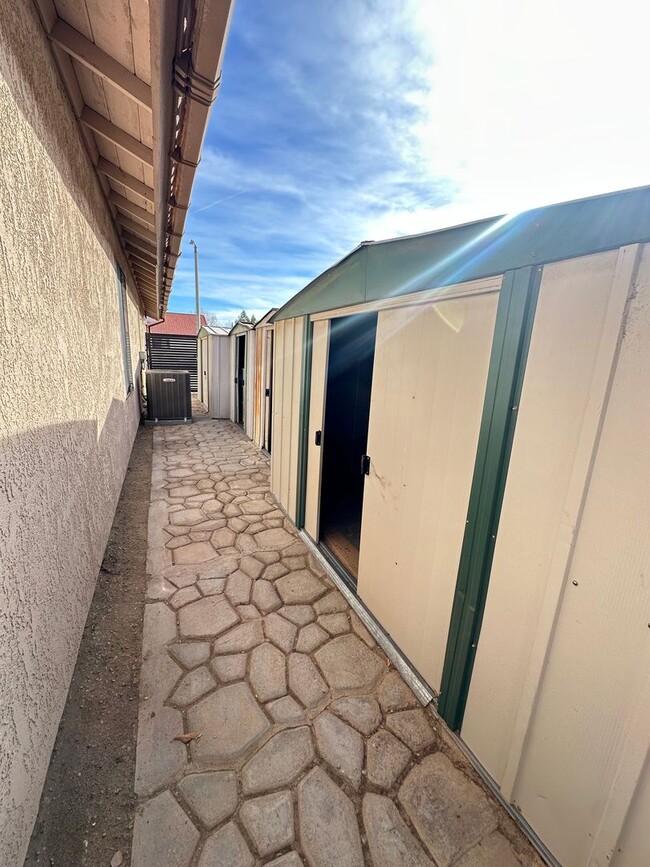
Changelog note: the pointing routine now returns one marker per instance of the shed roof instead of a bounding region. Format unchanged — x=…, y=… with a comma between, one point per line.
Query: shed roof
x=240, y=327
x=383, y=269
x=267, y=316
x=177, y=323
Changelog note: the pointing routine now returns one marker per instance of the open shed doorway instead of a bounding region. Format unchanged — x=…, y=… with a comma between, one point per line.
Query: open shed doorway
x=240, y=378
x=268, y=390
x=347, y=413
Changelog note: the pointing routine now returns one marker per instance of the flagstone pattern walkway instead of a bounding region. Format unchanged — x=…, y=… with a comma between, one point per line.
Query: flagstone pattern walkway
x=310, y=749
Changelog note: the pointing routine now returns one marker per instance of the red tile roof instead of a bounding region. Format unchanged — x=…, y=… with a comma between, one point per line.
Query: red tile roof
x=177, y=323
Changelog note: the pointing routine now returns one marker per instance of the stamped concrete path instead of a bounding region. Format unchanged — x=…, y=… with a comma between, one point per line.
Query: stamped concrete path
x=305, y=747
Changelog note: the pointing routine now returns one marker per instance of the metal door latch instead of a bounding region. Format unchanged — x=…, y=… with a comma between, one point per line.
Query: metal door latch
x=318, y=436
x=267, y=392
x=365, y=465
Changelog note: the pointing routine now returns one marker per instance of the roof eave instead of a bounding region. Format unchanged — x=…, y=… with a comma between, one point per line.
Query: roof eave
x=187, y=42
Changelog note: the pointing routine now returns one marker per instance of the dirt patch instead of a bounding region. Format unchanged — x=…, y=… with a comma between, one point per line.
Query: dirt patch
x=88, y=804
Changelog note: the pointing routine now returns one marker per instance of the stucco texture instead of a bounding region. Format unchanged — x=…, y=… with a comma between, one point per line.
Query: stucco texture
x=66, y=424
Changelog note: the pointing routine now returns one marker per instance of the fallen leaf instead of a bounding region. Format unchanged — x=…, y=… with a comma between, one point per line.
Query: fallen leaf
x=190, y=736
x=117, y=859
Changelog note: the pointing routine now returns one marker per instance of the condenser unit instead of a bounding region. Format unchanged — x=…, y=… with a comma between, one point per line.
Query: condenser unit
x=168, y=396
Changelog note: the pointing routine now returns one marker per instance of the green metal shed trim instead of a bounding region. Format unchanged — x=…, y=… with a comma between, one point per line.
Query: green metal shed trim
x=376, y=270
x=303, y=430
x=512, y=332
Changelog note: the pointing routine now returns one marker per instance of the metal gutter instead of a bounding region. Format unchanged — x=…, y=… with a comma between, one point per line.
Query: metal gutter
x=187, y=46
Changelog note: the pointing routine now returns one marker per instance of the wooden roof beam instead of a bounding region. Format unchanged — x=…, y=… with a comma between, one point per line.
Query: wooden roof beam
x=144, y=279
x=101, y=125
x=131, y=208
x=136, y=228
x=138, y=243
x=138, y=254
x=117, y=174
x=101, y=63
x=143, y=265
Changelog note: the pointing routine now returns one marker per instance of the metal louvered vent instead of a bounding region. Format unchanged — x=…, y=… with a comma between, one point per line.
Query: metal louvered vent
x=168, y=396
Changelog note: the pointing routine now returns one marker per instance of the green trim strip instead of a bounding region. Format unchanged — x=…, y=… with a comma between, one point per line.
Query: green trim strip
x=513, y=328
x=303, y=444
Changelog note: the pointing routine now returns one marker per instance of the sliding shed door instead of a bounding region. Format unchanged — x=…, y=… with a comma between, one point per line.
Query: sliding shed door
x=320, y=351
x=430, y=373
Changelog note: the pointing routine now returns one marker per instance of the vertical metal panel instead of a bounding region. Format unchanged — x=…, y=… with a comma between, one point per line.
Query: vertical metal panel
x=278, y=431
x=320, y=344
x=591, y=709
x=555, y=435
x=287, y=378
x=294, y=417
x=220, y=375
x=633, y=845
x=249, y=384
x=513, y=327
x=258, y=388
x=429, y=379
x=303, y=433
x=285, y=422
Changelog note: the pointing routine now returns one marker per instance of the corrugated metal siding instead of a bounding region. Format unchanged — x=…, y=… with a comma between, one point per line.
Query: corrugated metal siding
x=173, y=352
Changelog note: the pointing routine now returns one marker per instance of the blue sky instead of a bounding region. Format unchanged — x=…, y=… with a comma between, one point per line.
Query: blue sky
x=345, y=120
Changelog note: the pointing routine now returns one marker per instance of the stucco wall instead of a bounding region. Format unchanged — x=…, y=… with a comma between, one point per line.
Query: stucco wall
x=66, y=425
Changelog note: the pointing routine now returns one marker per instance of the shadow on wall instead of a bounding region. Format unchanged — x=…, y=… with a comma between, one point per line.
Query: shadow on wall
x=59, y=487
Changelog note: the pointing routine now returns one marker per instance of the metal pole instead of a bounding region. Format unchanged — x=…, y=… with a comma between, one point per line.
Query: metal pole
x=196, y=286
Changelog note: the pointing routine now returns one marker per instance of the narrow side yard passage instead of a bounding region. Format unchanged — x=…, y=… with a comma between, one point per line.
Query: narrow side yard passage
x=87, y=806
x=272, y=729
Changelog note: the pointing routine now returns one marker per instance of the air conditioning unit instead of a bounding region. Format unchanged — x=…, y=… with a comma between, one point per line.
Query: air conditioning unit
x=169, y=400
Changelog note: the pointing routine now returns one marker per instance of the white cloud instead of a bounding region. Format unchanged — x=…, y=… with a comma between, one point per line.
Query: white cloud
x=364, y=119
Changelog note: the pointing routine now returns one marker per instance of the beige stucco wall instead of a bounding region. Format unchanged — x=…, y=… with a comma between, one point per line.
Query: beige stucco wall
x=66, y=426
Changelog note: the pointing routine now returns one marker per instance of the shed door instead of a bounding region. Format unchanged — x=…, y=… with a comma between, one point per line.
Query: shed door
x=267, y=395
x=320, y=348
x=431, y=367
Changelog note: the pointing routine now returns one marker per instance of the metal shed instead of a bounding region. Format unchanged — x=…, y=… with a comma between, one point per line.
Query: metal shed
x=461, y=423
x=262, y=433
x=242, y=360
x=214, y=370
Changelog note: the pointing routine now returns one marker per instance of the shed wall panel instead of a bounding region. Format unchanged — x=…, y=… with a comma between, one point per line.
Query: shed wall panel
x=286, y=412
x=316, y=422
x=591, y=709
x=633, y=846
x=553, y=442
x=429, y=380
x=278, y=433
x=220, y=374
x=258, y=387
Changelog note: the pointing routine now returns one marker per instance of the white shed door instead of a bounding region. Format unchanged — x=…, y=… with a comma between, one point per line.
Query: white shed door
x=320, y=348
x=431, y=365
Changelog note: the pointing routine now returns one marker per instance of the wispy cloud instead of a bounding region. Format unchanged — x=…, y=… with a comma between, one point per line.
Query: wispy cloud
x=339, y=122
